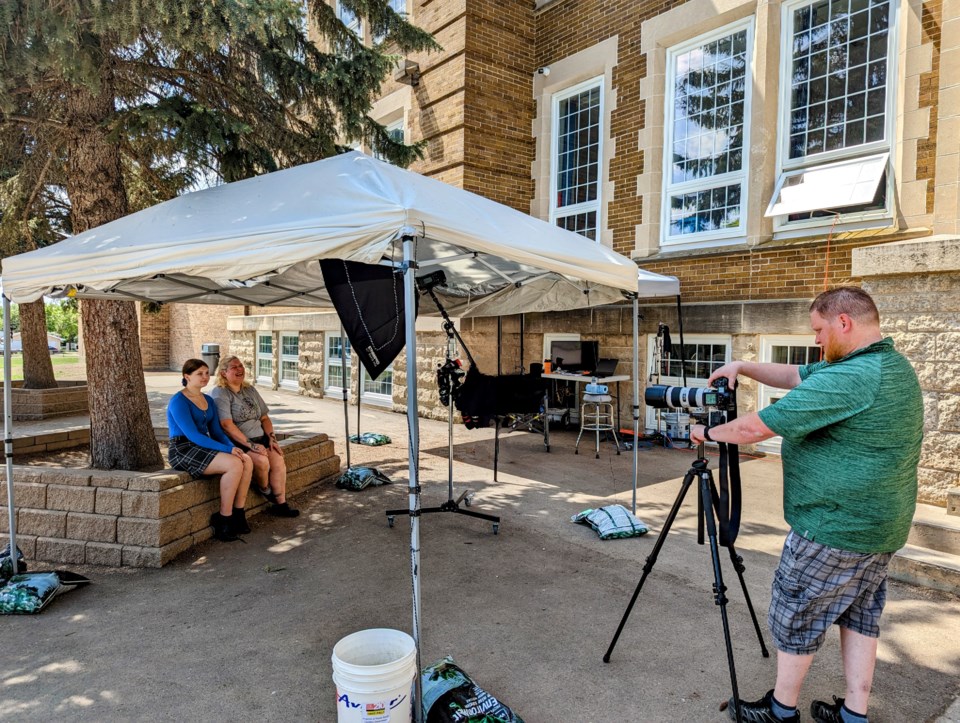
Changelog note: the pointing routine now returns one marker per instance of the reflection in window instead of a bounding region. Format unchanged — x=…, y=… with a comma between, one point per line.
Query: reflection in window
x=798, y=355
x=708, y=100
x=576, y=165
x=699, y=360
x=838, y=75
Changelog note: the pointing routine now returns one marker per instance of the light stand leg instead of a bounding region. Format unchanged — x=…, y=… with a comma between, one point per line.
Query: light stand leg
x=8, y=437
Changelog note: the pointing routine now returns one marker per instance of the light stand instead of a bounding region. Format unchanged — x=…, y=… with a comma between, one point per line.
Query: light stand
x=706, y=493
x=451, y=505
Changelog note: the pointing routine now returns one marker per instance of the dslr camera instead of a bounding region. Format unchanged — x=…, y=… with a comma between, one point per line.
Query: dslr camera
x=721, y=397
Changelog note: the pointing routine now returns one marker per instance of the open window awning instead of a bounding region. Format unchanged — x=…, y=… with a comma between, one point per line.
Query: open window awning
x=259, y=242
x=830, y=186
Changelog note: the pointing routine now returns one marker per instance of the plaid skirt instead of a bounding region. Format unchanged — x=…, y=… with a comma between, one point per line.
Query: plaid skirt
x=189, y=457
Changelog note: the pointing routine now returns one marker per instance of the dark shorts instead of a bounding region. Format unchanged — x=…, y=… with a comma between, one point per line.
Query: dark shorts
x=186, y=456
x=816, y=586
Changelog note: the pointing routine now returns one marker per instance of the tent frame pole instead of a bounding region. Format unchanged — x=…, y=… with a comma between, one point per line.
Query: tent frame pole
x=636, y=396
x=413, y=430
x=8, y=433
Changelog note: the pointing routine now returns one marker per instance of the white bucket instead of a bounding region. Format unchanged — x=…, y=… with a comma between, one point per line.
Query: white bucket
x=374, y=671
x=678, y=425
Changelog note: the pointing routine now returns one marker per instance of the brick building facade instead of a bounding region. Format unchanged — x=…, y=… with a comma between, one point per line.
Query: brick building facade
x=746, y=147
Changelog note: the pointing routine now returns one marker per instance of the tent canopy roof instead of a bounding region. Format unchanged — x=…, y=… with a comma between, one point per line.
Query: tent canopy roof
x=258, y=242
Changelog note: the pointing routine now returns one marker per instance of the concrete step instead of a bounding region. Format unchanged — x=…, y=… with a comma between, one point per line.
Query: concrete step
x=926, y=567
x=933, y=528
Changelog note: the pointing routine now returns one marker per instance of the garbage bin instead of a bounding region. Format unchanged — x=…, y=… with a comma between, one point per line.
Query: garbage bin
x=210, y=353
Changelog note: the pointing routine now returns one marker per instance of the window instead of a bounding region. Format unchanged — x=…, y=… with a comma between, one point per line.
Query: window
x=380, y=390
x=350, y=19
x=783, y=350
x=702, y=353
x=265, y=359
x=396, y=133
x=836, y=104
x=399, y=7
x=706, y=134
x=289, y=360
x=336, y=367
x=575, y=179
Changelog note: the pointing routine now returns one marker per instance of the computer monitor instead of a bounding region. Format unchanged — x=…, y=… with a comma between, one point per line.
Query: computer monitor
x=576, y=355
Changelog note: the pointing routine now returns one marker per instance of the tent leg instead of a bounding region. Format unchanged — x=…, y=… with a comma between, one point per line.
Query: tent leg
x=636, y=396
x=413, y=427
x=346, y=405
x=8, y=431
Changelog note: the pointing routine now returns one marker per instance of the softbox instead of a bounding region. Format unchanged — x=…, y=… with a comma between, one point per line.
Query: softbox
x=370, y=303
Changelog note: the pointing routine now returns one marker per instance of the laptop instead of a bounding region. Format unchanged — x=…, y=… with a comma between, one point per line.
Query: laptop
x=606, y=367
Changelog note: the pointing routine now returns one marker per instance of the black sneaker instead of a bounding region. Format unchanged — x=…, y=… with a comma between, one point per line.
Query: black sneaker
x=759, y=711
x=282, y=509
x=823, y=712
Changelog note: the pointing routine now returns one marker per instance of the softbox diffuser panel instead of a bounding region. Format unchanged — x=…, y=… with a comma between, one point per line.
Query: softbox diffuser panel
x=370, y=303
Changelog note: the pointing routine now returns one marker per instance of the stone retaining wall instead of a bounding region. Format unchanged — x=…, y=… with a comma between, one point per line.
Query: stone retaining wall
x=33, y=404
x=916, y=285
x=132, y=519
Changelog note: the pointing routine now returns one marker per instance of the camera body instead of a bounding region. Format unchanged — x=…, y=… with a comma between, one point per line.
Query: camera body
x=720, y=397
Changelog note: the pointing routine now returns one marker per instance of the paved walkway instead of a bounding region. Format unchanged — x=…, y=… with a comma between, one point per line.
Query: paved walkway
x=245, y=631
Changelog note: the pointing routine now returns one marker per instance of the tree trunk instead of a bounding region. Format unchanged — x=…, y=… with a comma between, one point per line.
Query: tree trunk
x=37, y=365
x=121, y=432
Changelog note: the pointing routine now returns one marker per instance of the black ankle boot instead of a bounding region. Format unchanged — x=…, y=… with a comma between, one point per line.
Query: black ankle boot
x=282, y=509
x=240, y=526
x=222, y=527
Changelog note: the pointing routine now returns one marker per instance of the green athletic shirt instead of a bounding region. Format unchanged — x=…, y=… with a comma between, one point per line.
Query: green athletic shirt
x=851, y=443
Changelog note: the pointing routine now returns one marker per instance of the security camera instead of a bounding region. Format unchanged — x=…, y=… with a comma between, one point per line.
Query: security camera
x=543, y=71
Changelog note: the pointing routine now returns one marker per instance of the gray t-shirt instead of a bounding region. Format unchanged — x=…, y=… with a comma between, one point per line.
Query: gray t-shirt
x=244, y=408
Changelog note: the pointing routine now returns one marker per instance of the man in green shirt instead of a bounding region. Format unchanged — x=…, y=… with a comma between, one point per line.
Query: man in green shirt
x=852, y=425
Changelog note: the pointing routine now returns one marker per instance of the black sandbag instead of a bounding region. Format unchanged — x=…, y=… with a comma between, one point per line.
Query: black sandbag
x=451, y=696
x=358, y=478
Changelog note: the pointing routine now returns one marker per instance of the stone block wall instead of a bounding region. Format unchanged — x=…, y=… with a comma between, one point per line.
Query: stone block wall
x=133, y=519
x=916, y=286
x=33, y=404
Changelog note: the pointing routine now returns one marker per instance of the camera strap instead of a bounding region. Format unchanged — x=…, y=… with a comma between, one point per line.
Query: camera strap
x=727, y=500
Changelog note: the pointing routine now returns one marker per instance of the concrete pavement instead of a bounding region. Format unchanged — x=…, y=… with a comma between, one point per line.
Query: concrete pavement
x=245, y=631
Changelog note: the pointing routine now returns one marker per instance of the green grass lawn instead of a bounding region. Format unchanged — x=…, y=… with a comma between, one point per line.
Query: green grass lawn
x=67, y=365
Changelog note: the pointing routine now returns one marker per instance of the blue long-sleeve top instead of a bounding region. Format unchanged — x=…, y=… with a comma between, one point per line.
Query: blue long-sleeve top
x=184, y=418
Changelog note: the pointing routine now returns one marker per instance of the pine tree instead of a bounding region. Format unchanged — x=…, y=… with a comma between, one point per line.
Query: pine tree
x=110, y=106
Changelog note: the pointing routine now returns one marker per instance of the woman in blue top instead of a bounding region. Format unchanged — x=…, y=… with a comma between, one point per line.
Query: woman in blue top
x=199, y=446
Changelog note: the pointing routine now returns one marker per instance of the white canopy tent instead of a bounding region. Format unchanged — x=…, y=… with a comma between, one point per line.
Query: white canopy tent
x=259, y=242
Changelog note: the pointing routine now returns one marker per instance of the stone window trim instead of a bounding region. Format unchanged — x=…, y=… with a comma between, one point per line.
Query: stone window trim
x=595, y=63
x=786, y=166
x=714, y=183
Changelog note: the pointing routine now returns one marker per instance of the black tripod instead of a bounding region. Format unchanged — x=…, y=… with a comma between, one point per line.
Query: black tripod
x=451, y=505
x=706, y=491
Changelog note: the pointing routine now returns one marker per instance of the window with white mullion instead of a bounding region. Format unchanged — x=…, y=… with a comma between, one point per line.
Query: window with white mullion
x=707, y=136
x=836, y=110
x=837, y=99
x=577, y=158
x=337, y=364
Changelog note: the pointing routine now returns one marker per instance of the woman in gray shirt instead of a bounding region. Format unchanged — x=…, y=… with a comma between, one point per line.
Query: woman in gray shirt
x=244, y=417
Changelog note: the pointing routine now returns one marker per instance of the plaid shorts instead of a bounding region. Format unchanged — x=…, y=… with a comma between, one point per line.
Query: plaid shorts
x=816, y=586
x=189, y=457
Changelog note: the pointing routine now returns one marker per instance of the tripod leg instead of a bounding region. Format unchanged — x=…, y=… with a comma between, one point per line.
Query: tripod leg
x=738, y=566
x=719, y=589
x=651, y=559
